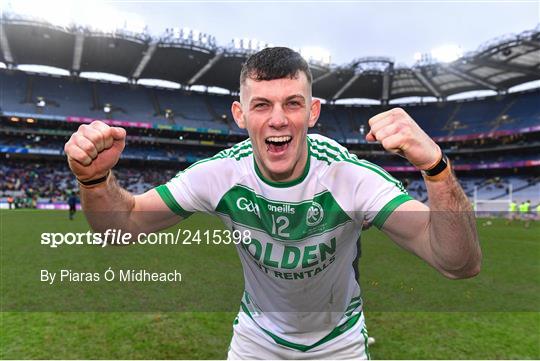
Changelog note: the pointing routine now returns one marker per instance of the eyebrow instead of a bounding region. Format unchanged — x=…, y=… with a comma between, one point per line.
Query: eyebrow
x=262, y=99
x=259, y=99
x=295, y=96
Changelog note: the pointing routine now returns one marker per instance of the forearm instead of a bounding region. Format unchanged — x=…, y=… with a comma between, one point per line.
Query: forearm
x=453, y=238
x=107, y=205
x=92, y=152
x=445, y=233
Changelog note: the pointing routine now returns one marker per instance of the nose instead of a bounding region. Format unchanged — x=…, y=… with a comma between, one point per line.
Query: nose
x=278, y=118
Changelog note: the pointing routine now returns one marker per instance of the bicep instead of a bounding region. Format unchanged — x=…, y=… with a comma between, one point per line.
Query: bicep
x=408, y=226
x=151, y=213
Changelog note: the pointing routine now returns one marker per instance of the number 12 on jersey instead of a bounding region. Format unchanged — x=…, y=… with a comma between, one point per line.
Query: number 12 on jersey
x=279, y=225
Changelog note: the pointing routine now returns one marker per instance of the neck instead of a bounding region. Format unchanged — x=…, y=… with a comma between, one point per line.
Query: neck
x=295, y=173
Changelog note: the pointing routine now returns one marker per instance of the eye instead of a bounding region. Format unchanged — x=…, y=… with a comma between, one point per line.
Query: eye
x=260, y=105
x=294, y=104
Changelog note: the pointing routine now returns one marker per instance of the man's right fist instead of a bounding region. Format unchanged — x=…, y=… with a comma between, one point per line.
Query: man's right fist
x=94, y=149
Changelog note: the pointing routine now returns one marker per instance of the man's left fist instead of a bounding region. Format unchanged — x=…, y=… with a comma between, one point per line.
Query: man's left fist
x=398, y=133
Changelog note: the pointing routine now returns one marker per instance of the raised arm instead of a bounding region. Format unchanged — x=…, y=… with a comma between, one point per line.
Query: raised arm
x=92, y=152
x=443, y=234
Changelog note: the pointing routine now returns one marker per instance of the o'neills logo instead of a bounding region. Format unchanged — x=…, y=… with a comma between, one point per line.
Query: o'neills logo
x=285, y=208
x=247, y=205
x=314, y=215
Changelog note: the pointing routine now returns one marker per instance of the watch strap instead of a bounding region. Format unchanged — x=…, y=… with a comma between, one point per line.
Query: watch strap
x=94, y=181
x=437, y=168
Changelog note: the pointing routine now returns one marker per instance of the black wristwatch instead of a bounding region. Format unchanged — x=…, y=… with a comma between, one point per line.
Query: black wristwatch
x=94, y=181
x=438, y=168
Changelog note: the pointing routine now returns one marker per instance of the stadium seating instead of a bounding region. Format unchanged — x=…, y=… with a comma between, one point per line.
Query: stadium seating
x=63, y=96
x=73, y=96
x=524, y=111
x=127, y=101
x=15, y=98
x=433, y=117
x=66, y=96
x=49, y=182
x=132, y=150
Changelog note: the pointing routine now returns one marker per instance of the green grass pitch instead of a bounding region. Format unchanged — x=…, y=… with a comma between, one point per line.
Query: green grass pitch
x=411, y=311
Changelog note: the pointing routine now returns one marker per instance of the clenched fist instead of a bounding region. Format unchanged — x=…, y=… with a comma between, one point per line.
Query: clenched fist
x=94, y=150
x=398, y=133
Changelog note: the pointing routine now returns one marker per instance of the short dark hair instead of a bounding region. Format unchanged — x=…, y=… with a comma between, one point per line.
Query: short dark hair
x=274, y=63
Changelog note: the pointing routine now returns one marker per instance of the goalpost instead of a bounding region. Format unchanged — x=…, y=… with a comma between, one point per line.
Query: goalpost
x=492, y=207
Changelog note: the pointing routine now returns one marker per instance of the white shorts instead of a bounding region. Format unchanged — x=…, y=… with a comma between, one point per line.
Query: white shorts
x=250, y=342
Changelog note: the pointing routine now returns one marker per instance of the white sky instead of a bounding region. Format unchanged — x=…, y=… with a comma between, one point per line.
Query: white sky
x=347, y=29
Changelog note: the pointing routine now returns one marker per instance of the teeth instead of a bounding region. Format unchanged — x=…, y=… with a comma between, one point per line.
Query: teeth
x=279, y=139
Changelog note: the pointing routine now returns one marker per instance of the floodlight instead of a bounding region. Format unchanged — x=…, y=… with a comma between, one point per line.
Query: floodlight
x=30, y=120
x=14, y=119
x=447, y=53
x=107, y=108
x=41, y=102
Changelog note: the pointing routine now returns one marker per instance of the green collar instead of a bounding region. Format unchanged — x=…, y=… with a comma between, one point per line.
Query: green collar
x=288, y=183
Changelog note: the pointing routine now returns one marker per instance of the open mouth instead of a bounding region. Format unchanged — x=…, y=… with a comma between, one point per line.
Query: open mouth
x=278, y=144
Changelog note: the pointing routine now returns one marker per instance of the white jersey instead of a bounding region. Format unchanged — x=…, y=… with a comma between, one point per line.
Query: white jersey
x=300, y=272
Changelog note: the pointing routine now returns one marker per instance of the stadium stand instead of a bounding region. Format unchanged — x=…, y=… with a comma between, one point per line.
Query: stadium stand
x=49, y=182
x=65, y=96
x=524, y=111
x=492, y=141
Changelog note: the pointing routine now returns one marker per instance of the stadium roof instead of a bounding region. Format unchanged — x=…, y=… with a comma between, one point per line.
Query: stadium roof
x=497, y=65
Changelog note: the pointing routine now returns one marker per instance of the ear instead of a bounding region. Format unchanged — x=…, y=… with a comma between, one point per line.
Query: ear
x=314, y=113
x=238, y=114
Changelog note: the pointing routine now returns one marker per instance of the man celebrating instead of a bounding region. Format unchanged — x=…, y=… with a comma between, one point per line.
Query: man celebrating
x=304, y=198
